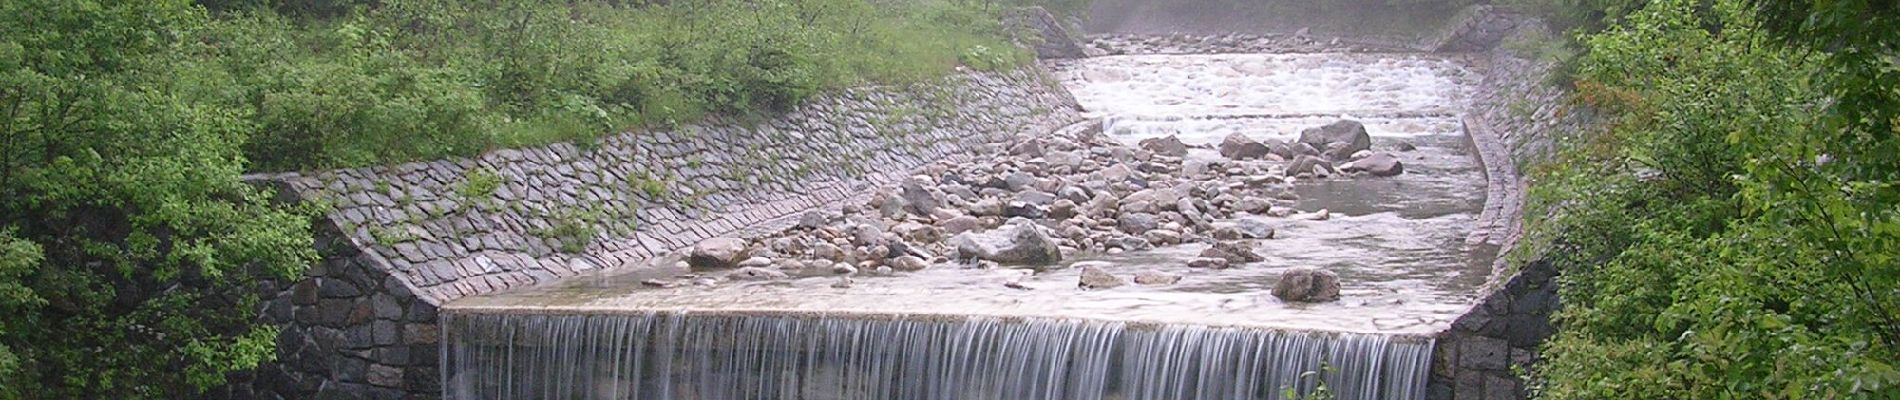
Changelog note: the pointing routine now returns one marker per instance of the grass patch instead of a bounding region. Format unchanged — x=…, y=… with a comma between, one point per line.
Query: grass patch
x=426, y=79
x=645, y=183
x=478, y=184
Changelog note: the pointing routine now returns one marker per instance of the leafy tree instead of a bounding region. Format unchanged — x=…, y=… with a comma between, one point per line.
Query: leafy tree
x=133, y=251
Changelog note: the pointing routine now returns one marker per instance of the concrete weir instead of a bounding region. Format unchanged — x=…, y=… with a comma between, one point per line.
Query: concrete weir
x=617, y=354
x=431, y=290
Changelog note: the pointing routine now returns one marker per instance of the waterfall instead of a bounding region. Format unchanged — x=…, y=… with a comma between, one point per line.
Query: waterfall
x=698, y=356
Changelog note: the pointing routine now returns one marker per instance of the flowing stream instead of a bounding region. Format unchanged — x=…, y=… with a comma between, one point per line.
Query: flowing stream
x=945, y=333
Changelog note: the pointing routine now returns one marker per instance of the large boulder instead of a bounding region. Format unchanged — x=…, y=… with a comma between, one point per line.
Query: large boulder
x=1281, y=148
x=1377, y=164
x=1019, y=241
x=1240, y=147
x=1350, y=135
x=717, y=253
x=1307, y=165
x=1137, y=223
x=1307, y=285
x=1167, y=145
x=1096, y=278
x=917, y=199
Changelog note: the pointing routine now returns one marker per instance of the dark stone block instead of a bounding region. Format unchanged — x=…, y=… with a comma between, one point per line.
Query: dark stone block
x=304, y=292
x=393, y=285
x=342, y=391
x=307, y=386
x=421, y=333
x=425, y=354
x=306, y=315
x=278, y=311
x=1484, y=354
x=383, y=393
x=360, y=313
x=358, y=337
x=420, y=311
x=349, y=370
x=337, y=288
x=384, y=307
x=384, y=376
x=391, y=355
x=335, y=312
x=1438, y=391
x=1469, y=385
x=1501, y=387
x=384, y=332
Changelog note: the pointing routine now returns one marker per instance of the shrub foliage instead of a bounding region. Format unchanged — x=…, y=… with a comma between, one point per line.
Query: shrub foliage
x=1731, y=229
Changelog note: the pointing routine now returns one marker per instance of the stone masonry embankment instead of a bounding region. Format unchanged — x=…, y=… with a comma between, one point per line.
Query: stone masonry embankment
x=400, y=241
x=1515, y=121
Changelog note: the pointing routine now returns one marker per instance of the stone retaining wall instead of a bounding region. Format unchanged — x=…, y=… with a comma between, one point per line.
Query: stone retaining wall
x=401, y=241
x=1516, y=120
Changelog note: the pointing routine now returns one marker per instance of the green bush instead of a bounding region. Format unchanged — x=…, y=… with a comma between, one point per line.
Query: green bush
x=422, y=79
x=1732, y=229
x=131, y=252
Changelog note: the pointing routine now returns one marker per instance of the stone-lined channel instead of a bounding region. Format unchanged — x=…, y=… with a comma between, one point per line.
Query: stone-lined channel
x=968, y=330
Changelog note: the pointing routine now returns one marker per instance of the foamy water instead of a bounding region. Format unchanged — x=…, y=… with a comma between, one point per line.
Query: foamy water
x=1178, y=86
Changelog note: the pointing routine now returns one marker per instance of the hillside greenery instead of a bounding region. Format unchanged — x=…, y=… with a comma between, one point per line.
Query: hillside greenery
x=1730, y=228
x=131, y=254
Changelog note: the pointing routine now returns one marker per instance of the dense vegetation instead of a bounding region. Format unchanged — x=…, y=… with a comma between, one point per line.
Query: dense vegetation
x=1731, y=229
x=131, y=253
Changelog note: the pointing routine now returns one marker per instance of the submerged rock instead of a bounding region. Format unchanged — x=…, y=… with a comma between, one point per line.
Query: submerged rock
x=1233, y=252
x=1019, y=241
x=1208, y=263
x=1376, y=164
x=760, y=262
x=909, y=263
x=1252, y=229
x=717, y=253
x=843, y=268
x=1156, y=278
x=1307, y=285
x=755, y=274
